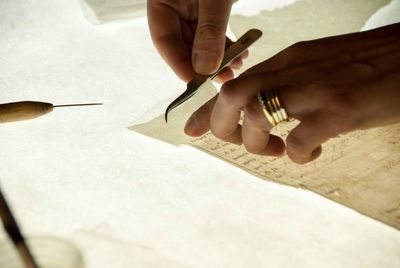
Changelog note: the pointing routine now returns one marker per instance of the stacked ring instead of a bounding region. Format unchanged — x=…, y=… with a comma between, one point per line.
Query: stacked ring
x=272, y=106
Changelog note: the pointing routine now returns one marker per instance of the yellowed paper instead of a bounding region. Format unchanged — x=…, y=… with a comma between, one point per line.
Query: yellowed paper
x=360, y=170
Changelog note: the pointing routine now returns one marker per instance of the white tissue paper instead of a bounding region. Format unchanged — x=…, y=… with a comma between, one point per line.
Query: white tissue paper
x=130, y=201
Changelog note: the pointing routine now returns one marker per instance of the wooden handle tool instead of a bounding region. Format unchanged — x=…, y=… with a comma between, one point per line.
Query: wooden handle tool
x=14, y=232
x=26, y=110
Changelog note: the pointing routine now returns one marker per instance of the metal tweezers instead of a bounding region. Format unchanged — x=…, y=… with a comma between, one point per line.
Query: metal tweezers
x=231, y=53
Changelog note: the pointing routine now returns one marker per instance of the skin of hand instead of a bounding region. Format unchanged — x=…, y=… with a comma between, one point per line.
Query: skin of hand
x=332, y=86
x=190, y=35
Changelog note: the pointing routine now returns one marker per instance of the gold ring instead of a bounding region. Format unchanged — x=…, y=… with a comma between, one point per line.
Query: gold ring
x=272, y=106
x=267, y=114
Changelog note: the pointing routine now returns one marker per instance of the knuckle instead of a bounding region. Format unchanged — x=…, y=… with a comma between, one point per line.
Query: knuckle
x=284, y=57
x=363, y=68
x=289, y=54
x=299, y=45
x=211, y=30
x=251, y=115
x=296, y=47
x=321, y=90
x=254, y=115
x=321, y=70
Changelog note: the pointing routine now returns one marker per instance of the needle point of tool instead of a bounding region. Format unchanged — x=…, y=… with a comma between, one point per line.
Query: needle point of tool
x=78, y=104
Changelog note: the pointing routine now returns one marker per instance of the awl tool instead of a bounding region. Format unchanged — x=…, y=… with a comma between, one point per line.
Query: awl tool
x=26, y=110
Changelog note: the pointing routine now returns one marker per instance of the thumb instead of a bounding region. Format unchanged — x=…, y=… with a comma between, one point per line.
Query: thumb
x=209, y=41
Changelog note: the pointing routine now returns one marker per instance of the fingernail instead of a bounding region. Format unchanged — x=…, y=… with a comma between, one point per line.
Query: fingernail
x=191, y=125
x=205, y=62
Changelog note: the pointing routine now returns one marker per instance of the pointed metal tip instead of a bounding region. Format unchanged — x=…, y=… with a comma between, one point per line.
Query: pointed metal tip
x=169, y=108
x=80, y=104
x=178, y=101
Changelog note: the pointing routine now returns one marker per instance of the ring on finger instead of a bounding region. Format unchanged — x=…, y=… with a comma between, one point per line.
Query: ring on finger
x=272, y=106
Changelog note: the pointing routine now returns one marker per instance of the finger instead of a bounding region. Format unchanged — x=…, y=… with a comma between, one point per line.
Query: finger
x=245, y=54
x=304, y=141
x=235, y=137
x=259, y=141
x=236, y=94
x=225, y=75
x=199, y=122
x=232, y=98
x=209, y=41
x=167, y=36
x=237, y=63
x=255, y=132
x=228, y=74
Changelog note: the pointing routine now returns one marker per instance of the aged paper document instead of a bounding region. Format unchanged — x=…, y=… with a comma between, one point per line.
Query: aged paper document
x=360, y=170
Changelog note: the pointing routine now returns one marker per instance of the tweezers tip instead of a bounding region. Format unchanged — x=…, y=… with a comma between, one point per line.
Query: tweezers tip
x=169, y=108
x=166, y=113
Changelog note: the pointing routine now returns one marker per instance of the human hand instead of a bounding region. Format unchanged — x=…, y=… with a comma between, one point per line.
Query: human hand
x=190, y=35
x=332, y=85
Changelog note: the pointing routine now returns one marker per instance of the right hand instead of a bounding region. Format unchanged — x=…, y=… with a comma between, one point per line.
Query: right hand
x=332, y=85
x=190, y=35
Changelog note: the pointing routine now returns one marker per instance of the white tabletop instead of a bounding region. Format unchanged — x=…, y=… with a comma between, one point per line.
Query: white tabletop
x=130, y=201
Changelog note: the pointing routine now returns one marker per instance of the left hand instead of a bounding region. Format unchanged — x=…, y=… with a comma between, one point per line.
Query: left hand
x=332, y=85
x=190, y=35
